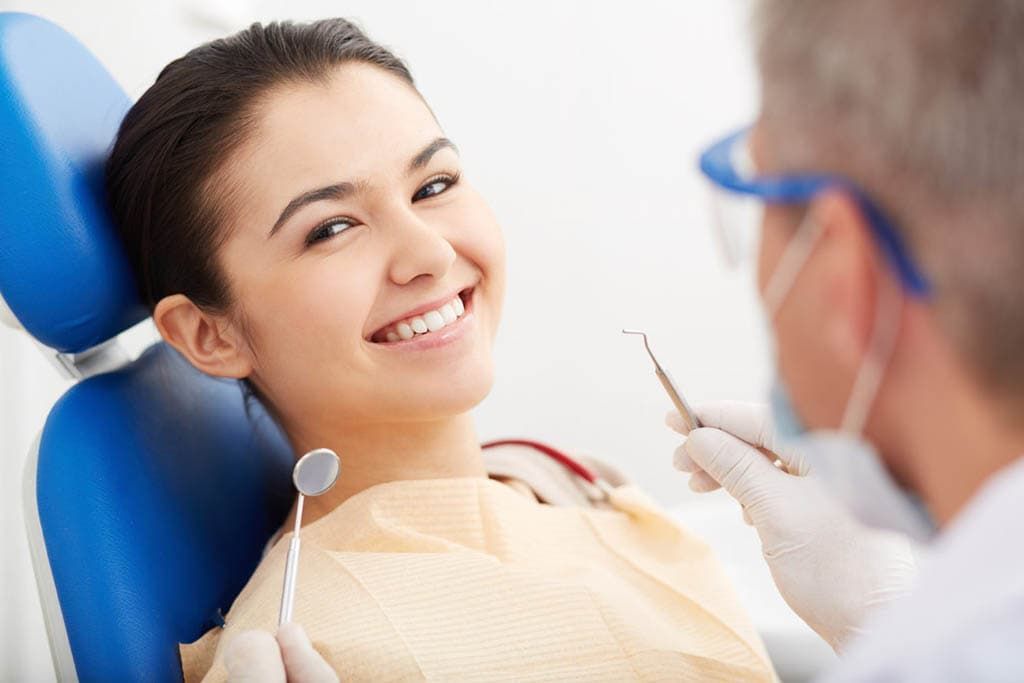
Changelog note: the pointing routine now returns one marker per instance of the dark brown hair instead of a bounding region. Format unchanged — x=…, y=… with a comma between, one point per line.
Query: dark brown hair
x=171, y=143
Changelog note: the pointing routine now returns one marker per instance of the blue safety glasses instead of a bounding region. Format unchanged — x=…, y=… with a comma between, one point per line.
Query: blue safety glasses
x=740, y=194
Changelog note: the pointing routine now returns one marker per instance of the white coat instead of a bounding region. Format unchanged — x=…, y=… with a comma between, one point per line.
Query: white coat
x=965, y=620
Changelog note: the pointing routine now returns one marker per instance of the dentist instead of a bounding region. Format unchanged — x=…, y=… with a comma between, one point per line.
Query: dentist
x=887, y=162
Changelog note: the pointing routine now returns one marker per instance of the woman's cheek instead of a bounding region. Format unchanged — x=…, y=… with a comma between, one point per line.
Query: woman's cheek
x=335, y=303
x=497, y=269
x=306, y=309
x=487, y=241
x=490, y=258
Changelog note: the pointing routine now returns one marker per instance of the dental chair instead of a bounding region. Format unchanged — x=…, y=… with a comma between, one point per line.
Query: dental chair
x=152, y=488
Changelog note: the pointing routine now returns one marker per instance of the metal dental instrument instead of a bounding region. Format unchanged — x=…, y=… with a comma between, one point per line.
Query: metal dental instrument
x=689, y=417
x=314, y=474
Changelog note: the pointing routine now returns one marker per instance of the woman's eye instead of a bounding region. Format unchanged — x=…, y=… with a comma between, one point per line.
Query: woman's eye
x=328, y=229
x=435, y=187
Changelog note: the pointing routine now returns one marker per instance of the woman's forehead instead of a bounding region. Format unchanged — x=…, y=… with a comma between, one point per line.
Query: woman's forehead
x=361, y=114
x=360, y=124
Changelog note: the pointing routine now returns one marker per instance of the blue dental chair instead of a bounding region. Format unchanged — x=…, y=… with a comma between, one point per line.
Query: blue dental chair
x=152, y=489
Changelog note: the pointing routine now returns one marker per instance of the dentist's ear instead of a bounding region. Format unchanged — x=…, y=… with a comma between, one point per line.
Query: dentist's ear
x=850, y=268
x=212, y=343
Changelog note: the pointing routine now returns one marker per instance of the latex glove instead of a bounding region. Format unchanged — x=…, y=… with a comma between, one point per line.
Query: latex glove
x=831, y=569
x=256, y=657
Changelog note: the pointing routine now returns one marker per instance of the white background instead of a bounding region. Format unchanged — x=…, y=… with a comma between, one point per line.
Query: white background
x=581, y=123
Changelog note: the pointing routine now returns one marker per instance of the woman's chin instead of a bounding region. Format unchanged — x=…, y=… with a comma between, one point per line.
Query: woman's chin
x=452, y=395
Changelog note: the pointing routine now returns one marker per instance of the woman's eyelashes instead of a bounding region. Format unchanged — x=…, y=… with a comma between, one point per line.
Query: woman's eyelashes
x=437, y=185
x=328, y=229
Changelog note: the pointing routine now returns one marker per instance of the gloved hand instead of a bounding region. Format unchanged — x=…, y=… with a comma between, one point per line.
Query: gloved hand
x=831, y=569
x=256, y=657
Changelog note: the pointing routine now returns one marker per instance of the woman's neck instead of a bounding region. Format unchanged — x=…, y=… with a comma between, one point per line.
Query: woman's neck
x=379, y=453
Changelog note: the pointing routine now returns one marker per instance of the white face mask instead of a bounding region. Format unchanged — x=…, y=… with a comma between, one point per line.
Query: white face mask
x=849, y=466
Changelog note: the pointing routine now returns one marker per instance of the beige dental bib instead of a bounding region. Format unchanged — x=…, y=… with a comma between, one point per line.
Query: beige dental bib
x=470, y=579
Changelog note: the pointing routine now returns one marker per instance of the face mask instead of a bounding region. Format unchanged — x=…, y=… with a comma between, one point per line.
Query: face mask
x=849, y=466
x=853, y=472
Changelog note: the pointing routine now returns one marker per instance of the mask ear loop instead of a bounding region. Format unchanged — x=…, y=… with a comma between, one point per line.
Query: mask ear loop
x=883, y=336
x=876, y=361
x=790, y=264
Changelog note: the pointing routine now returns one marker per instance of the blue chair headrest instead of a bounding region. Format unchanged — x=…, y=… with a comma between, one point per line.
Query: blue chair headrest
x=156, y=490
x=62, y=271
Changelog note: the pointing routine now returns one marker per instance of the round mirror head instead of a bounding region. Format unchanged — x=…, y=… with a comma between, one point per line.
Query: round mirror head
x=316, y=472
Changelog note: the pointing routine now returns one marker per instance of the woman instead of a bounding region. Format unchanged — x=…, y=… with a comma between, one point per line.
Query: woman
x=298, y=220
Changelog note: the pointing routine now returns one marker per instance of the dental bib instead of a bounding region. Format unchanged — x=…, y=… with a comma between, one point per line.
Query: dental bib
x=474, y=579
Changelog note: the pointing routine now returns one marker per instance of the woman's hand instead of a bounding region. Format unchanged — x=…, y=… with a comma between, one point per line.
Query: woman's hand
x=256, y=657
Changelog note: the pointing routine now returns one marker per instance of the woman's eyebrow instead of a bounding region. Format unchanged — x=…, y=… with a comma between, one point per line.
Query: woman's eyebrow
x=423, y=158
x=340, y=191
x=334, y=192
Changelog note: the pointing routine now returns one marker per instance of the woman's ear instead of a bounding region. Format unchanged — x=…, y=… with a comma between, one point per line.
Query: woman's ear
x=211, y=343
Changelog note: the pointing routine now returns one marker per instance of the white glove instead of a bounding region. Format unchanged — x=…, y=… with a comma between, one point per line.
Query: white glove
x=830, y=569
x=256, y=657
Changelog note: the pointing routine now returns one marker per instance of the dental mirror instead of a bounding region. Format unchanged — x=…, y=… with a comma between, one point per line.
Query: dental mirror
x=316, y=472
x=313, y=475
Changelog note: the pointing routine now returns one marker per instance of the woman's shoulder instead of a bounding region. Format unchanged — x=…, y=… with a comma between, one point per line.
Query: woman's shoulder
x=324, y=587
x=347, y=620
x=253, y=608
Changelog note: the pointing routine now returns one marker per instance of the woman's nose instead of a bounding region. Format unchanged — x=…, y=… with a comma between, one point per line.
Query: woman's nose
x=420, y=249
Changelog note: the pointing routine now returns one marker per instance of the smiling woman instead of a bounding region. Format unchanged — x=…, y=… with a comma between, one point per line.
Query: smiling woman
x=298, y=220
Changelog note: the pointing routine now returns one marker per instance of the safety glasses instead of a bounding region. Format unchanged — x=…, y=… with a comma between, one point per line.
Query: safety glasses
x=739, y=195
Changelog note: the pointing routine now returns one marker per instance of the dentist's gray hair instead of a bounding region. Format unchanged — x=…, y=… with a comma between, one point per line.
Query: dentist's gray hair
x=921, y=102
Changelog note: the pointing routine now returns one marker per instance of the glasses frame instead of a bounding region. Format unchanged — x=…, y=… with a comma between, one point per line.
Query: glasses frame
x=717, y=163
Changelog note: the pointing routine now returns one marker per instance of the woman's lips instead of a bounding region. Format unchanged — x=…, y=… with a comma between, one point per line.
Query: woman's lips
x=431, y=328
x=418, y=312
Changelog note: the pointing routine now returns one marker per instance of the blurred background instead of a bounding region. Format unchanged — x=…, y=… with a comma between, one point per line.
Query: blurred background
x=581, y=122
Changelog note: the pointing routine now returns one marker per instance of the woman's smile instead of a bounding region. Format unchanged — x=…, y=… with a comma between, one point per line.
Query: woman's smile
x=430, y=326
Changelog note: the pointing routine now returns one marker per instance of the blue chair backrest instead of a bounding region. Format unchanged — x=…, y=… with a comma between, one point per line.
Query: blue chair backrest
x=155, y=488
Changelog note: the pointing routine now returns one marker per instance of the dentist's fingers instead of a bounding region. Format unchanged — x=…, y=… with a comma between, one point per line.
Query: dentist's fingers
x=674, y=420
x=701, y=482
x=303, y=663
x=253, y=657
x=682, y=462
x=751, y=422
x=741, y=469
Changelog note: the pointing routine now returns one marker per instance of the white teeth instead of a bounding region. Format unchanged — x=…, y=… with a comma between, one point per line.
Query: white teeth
x=433, y=320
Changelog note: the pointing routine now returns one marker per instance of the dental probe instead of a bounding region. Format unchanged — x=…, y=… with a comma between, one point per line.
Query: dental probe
x=689, y=417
